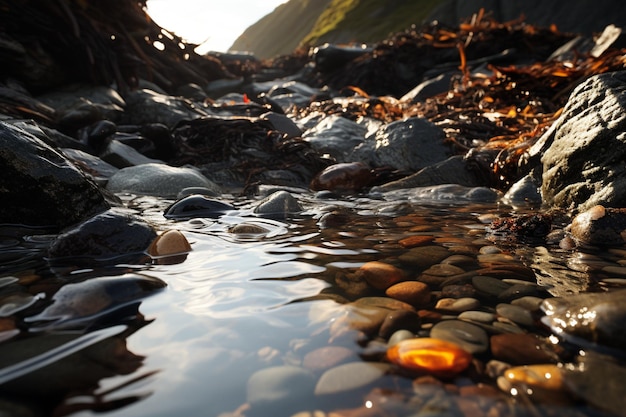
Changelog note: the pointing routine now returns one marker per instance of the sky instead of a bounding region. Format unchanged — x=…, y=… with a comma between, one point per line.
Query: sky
x=214, y=24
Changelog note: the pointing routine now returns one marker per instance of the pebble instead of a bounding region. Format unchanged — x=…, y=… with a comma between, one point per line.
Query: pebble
x=468, y=336
x=411, y=292
x=516, y=314
x=381, y=275
x=248, y=229
x=544, y=376
x=171, y=242
x=398, y=320
x=279, y=205
x=326, y=357
x=197, y=205
x=350, y=376
x=489, y=286
x=423, y=257
x=478, y=316
x=520, y=349
x=398, y=336
x=280, y=388
x=431, y=355
x=457, y=305
x=414, y=241
x=530, y=303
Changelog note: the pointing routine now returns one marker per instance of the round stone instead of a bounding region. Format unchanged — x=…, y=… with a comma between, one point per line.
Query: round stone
x=477, y=316
x=489, y=286
x=520, y=349
x=172, y=242
x=457, y=305
x=381, y=275
x=516, y=314
x=412, y=292
x=468, y=336
x=414, y=241
x=350, y=376
x=430, y=355
x=544, y=376
x=327, y=357
x=279, y=387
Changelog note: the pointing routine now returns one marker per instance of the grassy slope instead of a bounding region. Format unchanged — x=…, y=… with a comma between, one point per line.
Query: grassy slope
x=313, y=22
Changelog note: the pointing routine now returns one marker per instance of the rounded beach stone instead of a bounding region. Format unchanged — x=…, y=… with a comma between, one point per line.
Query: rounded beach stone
x=429, y=355
x=350, y=376
x=158, y=179
x=381, y=275
x=516, y=314
x=468, y=336
x=544, y=376
x=327, y=357
x=412, y=292
x=457, y=305
x=279, y=387
x=520, y=349
x=172, y=242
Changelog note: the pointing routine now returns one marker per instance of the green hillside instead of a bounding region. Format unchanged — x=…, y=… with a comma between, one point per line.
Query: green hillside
x=314, y=22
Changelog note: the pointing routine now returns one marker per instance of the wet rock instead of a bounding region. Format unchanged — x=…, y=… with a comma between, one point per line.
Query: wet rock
x=536, y=376
x=489, y=286
x=444, y=193
x=521, y=349
x=336, y=136
x=524, y=193
x=423, y=257
x=82, y=302
x=121, y=155
x=350, y=376
x=279, y=205
x=280, y=389
x=600, y=226
x=430, y=355
x=108, y=235
x=283, y=124
x=457, y=305
x=399, y=320
x=453, y=170
x=596, y=318
x=40, y=186
x=351, y=176
x=414, y=241
x=196, y=205
x=598, y=380
x=329, y=57
x=380, y=275
x=93, y=166
x=468, y=336
x=516, y=314
x=583, y=161
x=158, y=180
x=405, y=145
x=170, y=247
x=147, y=106
x=411, y=292
x=477, y=316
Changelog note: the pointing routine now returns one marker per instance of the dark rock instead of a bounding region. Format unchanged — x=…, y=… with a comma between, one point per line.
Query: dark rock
x=40, y=186
x=329, y=57
x=279, y=204
x=336, y=136
x=584, y=161
x=468, y=336
x=521, y=349
x=453, y=170
x=349, y=176
x=109, y=235
x=405, y=145
x=146, y=106
x=197, y=206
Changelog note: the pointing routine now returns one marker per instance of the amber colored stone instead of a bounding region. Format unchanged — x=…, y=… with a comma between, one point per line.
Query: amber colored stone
x=172, y=242
x=544, y=376
x=520, y=349
x=429, y=355
x=381, y=275
x=412, y=292
x=413, y=241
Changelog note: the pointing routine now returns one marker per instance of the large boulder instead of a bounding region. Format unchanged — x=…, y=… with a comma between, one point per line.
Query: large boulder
x=586, y=147
x=40, y=186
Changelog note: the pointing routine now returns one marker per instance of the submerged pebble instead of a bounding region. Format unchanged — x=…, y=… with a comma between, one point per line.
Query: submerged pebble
x=430, y=355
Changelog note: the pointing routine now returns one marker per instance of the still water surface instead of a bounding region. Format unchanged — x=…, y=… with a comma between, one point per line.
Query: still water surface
x=240, y=303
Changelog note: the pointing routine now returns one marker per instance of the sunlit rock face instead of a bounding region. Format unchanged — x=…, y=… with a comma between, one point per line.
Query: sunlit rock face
x=584, y=162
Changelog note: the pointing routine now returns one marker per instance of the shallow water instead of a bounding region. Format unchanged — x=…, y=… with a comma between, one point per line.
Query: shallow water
x=239, y=303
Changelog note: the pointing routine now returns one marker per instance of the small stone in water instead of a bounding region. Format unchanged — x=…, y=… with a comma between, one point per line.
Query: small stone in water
x=172, y=242
x=457, y=305
x=469, y=336
x=381, y=275
x=413, y=241
x=412, y=292
x=544, y=376
x=430, y=355
x=349, y=376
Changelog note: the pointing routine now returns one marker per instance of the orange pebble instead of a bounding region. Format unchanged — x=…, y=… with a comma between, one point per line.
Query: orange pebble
x=429, y=355
x=381, y=275
x=413, y=241
x=171, y=242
